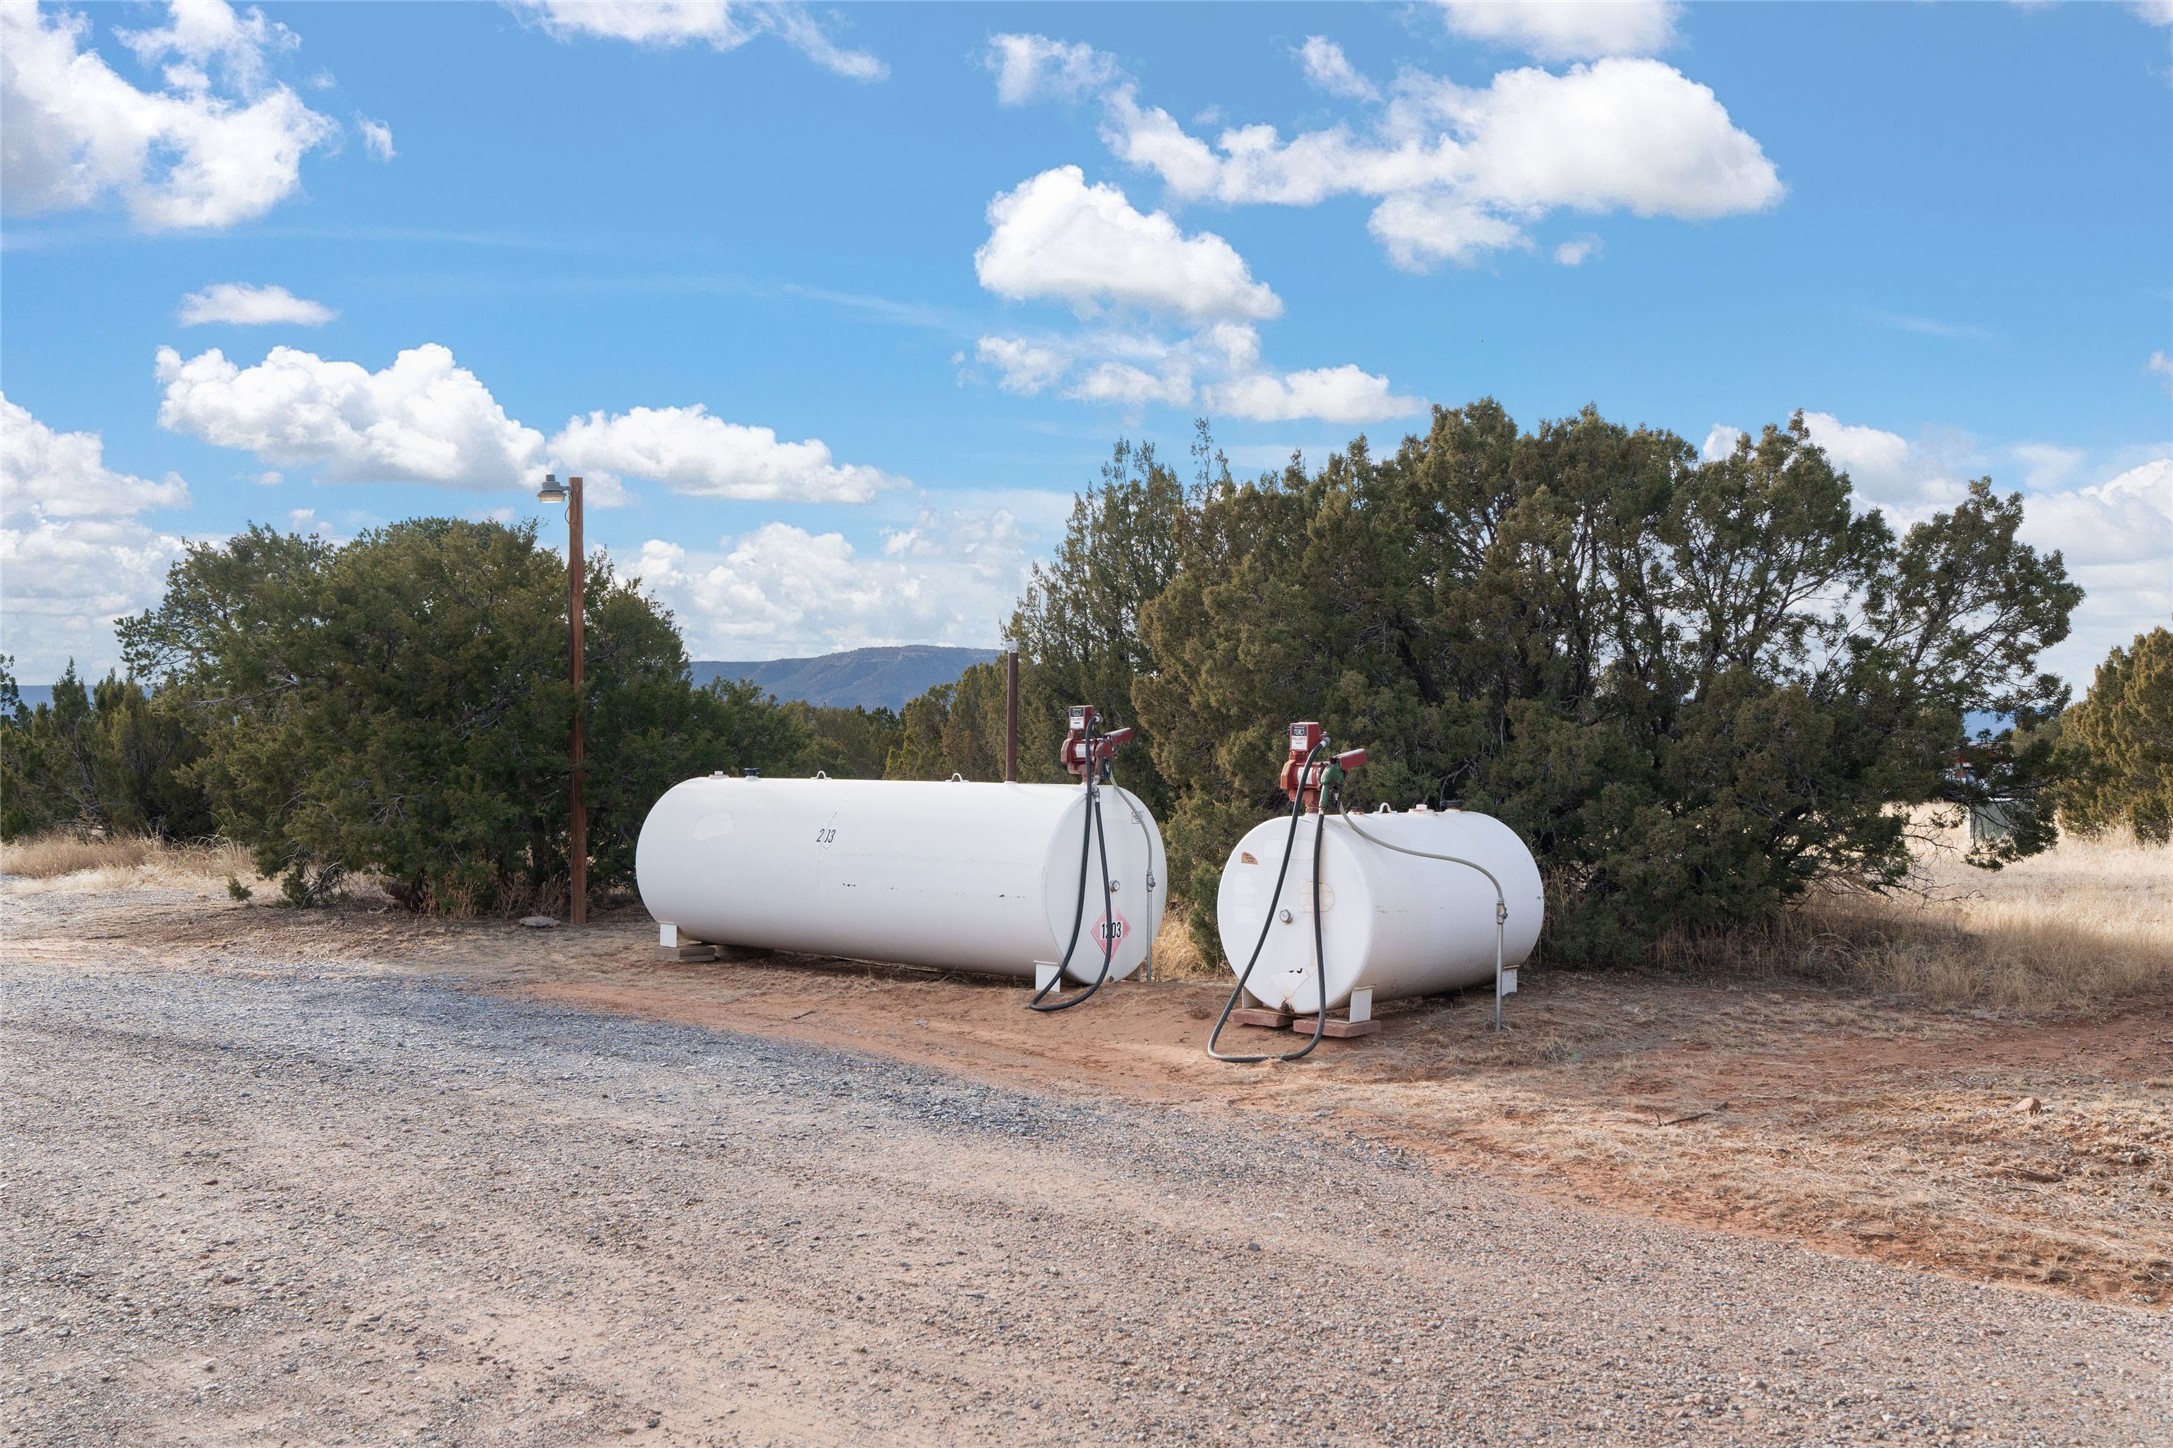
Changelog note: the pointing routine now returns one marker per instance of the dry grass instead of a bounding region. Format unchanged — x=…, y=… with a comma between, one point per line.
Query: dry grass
x=2061, y=934
x=46, y=857
x=1176, y=956
x=73, y=859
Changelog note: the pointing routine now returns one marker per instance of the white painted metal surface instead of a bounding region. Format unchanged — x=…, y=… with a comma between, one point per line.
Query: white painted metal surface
x=963, y=876
x=1392, y=924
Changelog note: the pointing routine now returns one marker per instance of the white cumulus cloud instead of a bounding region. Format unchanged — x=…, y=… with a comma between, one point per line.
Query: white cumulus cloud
x=2115, y=536
x=74, y=554
x=1327, y=67
x=200, y=35
x=1566, y=29
x=719, y=24
x=1054, y=237
x=950, y=578
x=2045, y=464
x=1034, y=68
x=1022, y=366
x=1577, y=250
x=1345, y=394
x=1720, y=442
x=690, y=451
x=243, y=305
x=1218, y=367
x=2158, y=364
x=1888, y=471
x=1420, y=228
x=2126, y=519
x=424, y=419
x=376, y=137
x=1462, y=170
x=1132, y=387
x=216, y=146
x=1456, y=171
x=1630, y=135
x=64, y=475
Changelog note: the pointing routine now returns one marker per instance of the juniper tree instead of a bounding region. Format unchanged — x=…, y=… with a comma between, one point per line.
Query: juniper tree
x=1697, y=687
x=2117, y=744
x=401, y=706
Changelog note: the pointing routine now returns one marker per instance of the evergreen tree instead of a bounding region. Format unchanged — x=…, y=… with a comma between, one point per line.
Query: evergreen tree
x=109, y=757
x=844, y=743
x=1078, y=627
x=1695, y=687
x=2117, y=744
x=401, y=706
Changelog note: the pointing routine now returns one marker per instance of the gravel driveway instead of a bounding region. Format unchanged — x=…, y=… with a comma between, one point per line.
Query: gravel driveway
x=311, y=1207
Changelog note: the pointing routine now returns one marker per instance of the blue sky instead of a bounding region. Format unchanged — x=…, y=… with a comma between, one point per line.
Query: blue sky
x=835, y=307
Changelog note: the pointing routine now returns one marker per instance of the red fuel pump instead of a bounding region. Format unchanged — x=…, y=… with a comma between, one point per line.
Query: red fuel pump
x=1083, y=748
x=1302, y=786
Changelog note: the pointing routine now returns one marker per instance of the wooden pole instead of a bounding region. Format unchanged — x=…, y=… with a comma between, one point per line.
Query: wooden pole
x=578, y=907
x=1011, y=716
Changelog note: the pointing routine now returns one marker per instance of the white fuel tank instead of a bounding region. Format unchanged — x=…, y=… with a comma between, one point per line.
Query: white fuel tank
x=957, y=875
x=1392, y=923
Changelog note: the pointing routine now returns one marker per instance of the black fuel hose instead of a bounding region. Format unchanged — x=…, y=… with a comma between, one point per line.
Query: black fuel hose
x=1320, y=955
x=1091, y=834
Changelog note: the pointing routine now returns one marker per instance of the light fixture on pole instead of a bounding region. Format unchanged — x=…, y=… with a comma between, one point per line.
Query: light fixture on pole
x=577, y=848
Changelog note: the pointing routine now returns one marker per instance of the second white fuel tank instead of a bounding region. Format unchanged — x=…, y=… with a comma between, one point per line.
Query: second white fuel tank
x=1392, y=923
x=957, y=875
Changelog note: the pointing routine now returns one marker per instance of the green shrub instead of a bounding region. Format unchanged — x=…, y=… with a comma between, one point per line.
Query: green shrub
x=2117, y=745
x=1697, y=688
x=400, y=707
x=110, y=757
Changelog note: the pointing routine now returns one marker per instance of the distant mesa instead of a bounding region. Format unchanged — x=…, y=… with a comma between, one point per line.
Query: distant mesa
x=885, y=678
x=869, y=678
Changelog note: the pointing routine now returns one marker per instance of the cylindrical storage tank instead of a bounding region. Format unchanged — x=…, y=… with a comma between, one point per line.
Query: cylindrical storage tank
x=962, y=876
x=1392, y=923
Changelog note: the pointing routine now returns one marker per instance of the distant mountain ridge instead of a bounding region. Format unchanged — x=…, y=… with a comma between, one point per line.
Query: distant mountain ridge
x=869, y=678
x=885, y=678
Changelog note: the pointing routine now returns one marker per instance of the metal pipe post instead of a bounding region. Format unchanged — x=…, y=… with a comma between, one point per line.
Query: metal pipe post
x=1011, y=715
x=578, y=906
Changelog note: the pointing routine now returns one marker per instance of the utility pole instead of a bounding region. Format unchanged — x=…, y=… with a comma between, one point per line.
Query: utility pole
x=578, y=617
x=577, y=906
x=1011, y=714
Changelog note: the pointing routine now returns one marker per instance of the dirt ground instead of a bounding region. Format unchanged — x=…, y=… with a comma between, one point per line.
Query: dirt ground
x=257, y=1203
x=1955, y=1141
